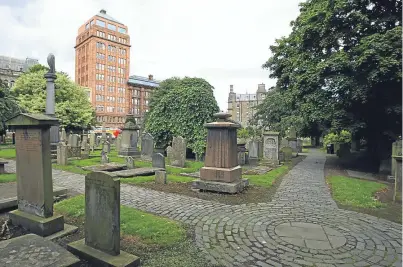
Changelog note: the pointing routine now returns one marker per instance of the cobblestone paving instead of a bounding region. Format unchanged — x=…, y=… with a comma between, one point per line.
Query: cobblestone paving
x=302, y=226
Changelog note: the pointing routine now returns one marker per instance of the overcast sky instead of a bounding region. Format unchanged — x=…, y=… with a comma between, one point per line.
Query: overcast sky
x=224, y=41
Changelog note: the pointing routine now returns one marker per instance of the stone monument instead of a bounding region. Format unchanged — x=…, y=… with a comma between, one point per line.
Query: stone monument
x=160, y=177
x=271, y=146
x=253, y=152
x=128, y=144
x=177, y=152
x=241, y=152
x=221, y=172
x=92, y=141
x=130, y=162
x=62, y=153
x=34, y=175
x=292, y=140
x=147, y=146
x=158, y=161
x=101, y=245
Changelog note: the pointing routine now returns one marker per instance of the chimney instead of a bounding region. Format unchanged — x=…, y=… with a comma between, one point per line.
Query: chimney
x=231, y=88
x=103, y=11
x=150, y=77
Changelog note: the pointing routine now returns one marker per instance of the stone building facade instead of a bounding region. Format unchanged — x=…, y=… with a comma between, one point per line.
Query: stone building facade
x=11, y=68
x=242, y=107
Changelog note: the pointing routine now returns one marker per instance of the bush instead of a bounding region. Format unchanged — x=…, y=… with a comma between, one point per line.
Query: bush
x=340, y=138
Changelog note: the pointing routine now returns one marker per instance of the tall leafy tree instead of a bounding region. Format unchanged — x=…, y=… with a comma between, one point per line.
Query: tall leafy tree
x=72, y=105
x=181, y=107
x=341, y=66
x=8, y=105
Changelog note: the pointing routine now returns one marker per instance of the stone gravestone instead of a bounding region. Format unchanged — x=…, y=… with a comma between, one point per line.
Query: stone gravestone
x=75, y=149
x=287, y=151
x=147, y=146
x=104, y=157
x=70, y=139
x=84, y=141
x=62, y=154
x=160, y=177
x=271, y=147
x=118, y=143
x=292, y=139
x=128, y=144
x=241, y=153
x=63, y=135
x=92, y=141
x=299, y=145
x=101, y=244
x=130, y=162
x=396, y=151
x=397, y=169
x=85, y=154
x=177, y=153
x=253, y=152
x=158, y=161
x=221, y=172
x=34, y=175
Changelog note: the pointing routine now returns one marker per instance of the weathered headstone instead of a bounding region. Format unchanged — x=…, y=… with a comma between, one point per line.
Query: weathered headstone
x=103, y=136
x=241, y=153
x=70, y=139
x=84, y=141
x=147, y=146
x=129, y=138
x=85, y=154
x=104, y=157
x=221, y=172
x=177, y=153
x=299, y=145
x=160, y=177
x=158, y=161
x=271, y=146
x=287, y=151
x=118, y=143
x=63, y=135
x=396, y=151
x=92, y=141
x=101, y=244
x=34, y=175
x=253, y=152
x=130, y=162
x=62, y=154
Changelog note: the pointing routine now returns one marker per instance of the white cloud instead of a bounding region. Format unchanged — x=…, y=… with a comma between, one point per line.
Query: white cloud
x=225, y=41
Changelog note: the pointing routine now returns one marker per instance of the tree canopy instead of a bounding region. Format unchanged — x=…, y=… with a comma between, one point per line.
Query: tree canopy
x=180, y=107
x=72, y=105
x=8, y=105
x=339, y=68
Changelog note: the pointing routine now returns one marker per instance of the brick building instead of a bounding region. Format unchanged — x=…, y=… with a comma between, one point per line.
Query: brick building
x=242, y=107
x=103, y=64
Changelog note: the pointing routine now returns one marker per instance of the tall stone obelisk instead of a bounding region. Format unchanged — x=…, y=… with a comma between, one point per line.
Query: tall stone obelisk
x=50, y=77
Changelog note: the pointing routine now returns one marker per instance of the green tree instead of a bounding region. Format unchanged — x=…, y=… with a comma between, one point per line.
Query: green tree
x=72, y=105
x=341, y=67
x=180, y=107
x=8, y=105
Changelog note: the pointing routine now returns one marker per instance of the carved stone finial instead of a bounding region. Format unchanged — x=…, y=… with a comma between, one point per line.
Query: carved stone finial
x=51, y=63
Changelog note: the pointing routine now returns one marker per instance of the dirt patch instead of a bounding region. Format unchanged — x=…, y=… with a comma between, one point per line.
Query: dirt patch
x=392, y=211
x=252, y=194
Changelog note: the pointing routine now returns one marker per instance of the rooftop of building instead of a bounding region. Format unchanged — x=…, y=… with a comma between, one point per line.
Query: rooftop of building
x=102, y=14
x=145, y=81
x=17, y=63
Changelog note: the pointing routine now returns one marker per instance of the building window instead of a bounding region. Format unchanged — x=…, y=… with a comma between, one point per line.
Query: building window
x=92, y=22
x=122, y=30
x=111, y=27
x=101, y=23
x=87, y=26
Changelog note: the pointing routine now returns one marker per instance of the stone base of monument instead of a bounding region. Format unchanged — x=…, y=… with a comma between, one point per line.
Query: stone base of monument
x=38, y=225
x=226, y=175
x=129, y=151
x=222, y=187
x=99, y=258
x=253, y=161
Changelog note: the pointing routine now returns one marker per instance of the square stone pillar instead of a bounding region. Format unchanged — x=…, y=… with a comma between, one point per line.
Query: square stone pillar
x=34, y=174
x=271, y=147
x=221, y=171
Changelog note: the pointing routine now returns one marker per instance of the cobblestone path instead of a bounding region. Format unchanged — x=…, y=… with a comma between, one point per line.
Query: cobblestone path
x=302, y=226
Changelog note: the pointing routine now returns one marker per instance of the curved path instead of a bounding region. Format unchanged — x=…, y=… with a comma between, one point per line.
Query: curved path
x=302, y=226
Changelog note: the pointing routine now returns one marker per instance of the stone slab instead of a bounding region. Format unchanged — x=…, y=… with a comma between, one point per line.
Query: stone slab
x=33, y=250
x=136, y=172
x=109, y=167
x=68, y=230
x=231, y=188
x=99, y=258
x=215, y=174
x=192, y=174
x=11, y=202
x=35, y=224
x=362, y=175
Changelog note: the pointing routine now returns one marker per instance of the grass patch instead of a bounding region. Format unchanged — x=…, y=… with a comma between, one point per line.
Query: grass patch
x=150, y=229
x=355, y=192
x=267, y=179
x=305, y=150
x=7, y=153
x=70, y=168
x=151, y=178
x=8, y=177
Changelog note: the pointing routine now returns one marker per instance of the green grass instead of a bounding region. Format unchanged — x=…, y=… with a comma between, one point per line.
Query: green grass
x=148, y=179
x=267, y=179
x=150, y=229
x=305, y=150
x=355, y=192
x=7, y=153
x=8, y=177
